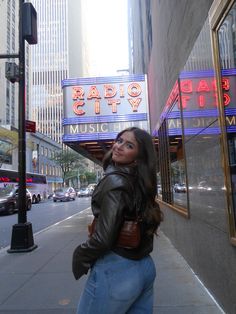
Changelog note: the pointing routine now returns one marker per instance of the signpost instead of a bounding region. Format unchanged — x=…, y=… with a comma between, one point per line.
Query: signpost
x=22, y=234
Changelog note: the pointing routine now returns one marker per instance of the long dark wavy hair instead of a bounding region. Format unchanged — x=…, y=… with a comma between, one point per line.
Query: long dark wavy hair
x=147, y=179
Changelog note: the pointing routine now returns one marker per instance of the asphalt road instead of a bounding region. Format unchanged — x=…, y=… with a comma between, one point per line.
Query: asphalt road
x=41, y=216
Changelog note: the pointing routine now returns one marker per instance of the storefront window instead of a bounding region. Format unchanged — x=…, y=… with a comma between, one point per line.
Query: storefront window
x=177, y=162
x=171, y=154
x=190, y=159
x=227, y=51
x=202, y=133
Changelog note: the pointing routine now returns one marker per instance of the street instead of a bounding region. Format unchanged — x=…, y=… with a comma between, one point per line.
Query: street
x=41, y=216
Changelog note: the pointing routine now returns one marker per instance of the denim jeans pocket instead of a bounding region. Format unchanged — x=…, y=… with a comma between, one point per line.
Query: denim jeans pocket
x=124, y=282
x=91, y=283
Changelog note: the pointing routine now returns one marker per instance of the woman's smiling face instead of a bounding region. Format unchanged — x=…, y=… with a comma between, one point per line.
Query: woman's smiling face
x=125, y=150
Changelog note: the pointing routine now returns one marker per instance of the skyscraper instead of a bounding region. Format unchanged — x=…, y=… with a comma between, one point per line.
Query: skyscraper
x=49, y=63
x=8, y=45
x=57, y=56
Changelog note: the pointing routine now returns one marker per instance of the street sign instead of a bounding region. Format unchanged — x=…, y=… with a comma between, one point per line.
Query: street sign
x=30, y=126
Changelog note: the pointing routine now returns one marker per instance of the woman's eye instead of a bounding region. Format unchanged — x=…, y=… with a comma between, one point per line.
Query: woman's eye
x=129, y=145
x=119, y=140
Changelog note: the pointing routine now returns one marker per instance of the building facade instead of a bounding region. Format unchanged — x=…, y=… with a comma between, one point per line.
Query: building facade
x=9, y=45
x=187, y=49
x=49, y=66
x=40, y=152
x=35, y=143
x=57, y=55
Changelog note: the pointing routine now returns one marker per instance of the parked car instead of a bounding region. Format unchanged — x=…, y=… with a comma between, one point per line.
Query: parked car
x=84, y=192
x=9, y=199
x=64, y=194
x=180, y=188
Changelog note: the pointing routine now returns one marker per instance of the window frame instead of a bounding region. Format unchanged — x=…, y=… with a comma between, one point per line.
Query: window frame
x=217, y=15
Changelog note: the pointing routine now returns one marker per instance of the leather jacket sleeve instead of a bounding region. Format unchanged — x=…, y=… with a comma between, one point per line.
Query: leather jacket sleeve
x=110, y=201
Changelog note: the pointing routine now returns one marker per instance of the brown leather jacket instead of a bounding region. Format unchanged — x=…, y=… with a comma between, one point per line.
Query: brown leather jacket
x=112, y=199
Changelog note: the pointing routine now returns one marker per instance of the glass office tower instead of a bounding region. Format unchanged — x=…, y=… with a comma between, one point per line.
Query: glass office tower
x=49, y=66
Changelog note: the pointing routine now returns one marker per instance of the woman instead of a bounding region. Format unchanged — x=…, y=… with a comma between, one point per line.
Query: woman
x=121, y=279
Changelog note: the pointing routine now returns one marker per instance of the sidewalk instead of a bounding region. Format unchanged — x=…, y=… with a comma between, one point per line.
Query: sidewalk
x=41, y=282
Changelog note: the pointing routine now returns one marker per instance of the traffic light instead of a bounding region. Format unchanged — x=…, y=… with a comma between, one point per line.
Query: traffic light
x=29, y=19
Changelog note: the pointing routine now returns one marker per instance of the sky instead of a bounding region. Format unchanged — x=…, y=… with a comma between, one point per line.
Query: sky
x=105, y=23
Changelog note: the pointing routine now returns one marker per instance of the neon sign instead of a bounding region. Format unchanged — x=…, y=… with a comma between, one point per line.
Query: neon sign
x=95, y=108
x=109, y=91
x=204, y=92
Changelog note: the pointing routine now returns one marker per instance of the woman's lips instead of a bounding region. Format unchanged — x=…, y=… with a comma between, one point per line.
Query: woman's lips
x=117, y=154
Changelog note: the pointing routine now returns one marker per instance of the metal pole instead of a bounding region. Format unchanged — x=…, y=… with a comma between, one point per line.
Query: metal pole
x=22, y=136
x=22, y=234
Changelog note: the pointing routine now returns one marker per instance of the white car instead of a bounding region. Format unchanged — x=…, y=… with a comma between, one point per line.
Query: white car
x=84, y=192
x=180, y=188
x=64, y=194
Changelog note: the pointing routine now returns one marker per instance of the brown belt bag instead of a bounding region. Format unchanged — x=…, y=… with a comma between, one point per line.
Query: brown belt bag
x=129, y=236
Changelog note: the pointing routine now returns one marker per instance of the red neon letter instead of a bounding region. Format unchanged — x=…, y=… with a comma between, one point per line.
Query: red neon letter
x=77, y=93
x=93, y=93
x=201, y=101
x=109, y=91
x=225, y=83
x=122, y=92
x=203, y=86
x=114, y=103
x=134, y=89
x=97, y=106
x=134, y=103
x=77, y=111
x=186, y=86
x=184, y=100
x=226, y=99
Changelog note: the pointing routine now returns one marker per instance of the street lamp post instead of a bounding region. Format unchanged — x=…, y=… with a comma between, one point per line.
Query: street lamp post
x=22, y=234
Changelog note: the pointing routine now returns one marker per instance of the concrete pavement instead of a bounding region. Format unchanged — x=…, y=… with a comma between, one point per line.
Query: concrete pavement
x=41, y=281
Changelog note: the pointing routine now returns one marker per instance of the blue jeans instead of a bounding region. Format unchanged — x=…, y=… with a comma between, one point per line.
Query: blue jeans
x=117, y=285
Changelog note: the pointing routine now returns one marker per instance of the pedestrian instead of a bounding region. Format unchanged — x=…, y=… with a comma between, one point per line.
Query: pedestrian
x=121, y=276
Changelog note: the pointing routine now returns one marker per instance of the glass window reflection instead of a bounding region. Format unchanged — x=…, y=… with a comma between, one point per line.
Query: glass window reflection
x=227, y=51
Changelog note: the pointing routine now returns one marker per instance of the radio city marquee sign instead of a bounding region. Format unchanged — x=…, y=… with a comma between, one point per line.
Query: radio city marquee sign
x=99, y=108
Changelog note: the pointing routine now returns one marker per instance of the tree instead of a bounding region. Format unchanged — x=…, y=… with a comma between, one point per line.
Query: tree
x=91, y=177
x=71, y=163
